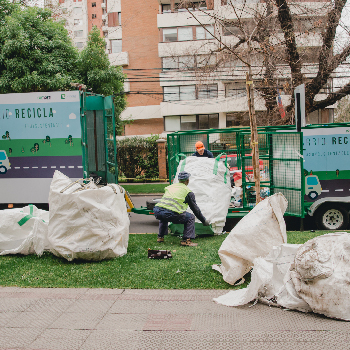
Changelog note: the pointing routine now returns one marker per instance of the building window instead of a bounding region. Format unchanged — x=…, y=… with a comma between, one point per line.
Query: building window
x=191, y=122
x=104, y=22
x=116, y=46
x=79, y=45
x=184, y=33
x=189, y=92
x=93, y=4
x=114, y=19
x=120, y=18
x=204, y=33
x=93, y=15
x=187, y=62
x=169, y=34
x=235, y=90
x=77, y=11
x=237, y=119
x=103, y=11
x=180, y=93
x=78, y=34
x=78, y=22
x=166, y=8
x=207, y=91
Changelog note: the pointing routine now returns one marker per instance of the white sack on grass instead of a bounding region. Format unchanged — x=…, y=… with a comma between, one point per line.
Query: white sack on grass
x=23, y=230
x=254, y=236
x=270, y=282
x=213, y=195
x=321, y=274
x=87, y=223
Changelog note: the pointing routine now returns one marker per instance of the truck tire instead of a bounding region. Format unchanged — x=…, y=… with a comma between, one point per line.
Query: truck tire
x=3, y=170
x=313, y=195
x=332, y=217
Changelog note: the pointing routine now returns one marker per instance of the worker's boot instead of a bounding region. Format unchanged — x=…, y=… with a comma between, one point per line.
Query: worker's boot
x=160, y=239
x=188, y=243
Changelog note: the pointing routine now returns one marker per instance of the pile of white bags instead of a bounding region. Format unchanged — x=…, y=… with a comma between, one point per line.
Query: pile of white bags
x=254, y=236
x=23, y=230
x=210, y=182
x=87, y=222
x=309, y=277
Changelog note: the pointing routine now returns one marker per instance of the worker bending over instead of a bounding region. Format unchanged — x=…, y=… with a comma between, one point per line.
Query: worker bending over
x=172, y=208
x=201, y=151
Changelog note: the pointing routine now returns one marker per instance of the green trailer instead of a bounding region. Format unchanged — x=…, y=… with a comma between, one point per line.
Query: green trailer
x=310, y=168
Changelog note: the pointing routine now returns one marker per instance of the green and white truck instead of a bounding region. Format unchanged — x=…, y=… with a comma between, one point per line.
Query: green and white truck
x=40, y=132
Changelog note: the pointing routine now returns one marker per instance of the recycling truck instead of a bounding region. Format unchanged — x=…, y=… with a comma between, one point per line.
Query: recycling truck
x=41, y=132
x=311, y=168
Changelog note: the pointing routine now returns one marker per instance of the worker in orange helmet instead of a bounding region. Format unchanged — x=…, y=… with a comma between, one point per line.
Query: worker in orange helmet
x=201, y=151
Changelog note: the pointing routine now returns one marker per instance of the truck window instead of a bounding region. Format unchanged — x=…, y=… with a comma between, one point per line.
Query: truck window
x=312, y=181
x=2, y=155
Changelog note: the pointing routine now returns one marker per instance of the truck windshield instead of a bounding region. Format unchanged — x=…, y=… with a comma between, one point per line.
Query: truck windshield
x=311, y=181
x=2, y=155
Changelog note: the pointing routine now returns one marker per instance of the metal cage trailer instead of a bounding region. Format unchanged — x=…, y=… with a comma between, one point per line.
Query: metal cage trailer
x=310, y=168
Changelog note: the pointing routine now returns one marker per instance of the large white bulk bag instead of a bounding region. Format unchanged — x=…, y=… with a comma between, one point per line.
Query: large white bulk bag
x=23, y=230
x=210, y=183
x=321, y=274
x=253, y=237
x=270, y=282
x=87, y=222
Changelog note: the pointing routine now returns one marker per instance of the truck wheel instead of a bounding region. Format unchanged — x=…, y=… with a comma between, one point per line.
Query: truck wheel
x=313, y=195
x=3, y=170
x=332, y=217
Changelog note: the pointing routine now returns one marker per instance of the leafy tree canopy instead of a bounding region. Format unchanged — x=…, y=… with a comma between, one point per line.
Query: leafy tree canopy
x=97, y=74
x=36, y=52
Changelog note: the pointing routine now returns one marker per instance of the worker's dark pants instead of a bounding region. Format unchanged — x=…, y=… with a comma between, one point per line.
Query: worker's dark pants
x=164, y=216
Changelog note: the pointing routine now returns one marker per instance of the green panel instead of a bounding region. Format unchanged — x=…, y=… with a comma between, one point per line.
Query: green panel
x=178, y=229
x=94, y=103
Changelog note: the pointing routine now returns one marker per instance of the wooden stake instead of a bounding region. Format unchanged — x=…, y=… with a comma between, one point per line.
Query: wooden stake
x=254, y=135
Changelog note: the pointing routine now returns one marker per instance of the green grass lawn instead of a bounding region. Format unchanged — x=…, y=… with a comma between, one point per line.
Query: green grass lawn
x=190, y=267
x=145, y=188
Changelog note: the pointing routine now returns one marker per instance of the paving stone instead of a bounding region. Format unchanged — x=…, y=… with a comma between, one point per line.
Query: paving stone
x=46, y=305
x=6, y=317
x=161, y=322
x=102, y=294
x=33, y=320
x=123, y=321
x=14, y=304
x=18, y=337
x=86, y=320
x=94, y=306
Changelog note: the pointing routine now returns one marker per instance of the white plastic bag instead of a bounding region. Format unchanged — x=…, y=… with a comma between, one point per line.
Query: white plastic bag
x=253, y=237
x=210, y=183
x=87, y=222
x=321, y=274
x=23, y=230
x=270, y=282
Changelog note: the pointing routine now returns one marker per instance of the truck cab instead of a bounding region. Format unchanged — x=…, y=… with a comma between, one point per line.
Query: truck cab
x=4, y=162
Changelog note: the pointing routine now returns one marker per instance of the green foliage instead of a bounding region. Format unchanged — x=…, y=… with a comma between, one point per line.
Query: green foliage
x=97, y=74
x=36, y=53
x=137, y=157
x=6, y=8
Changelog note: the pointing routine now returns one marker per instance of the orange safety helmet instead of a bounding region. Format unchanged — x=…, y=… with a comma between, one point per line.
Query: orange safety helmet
x=199, y=145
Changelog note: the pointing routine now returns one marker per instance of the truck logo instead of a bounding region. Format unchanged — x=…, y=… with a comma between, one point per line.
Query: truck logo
x=312, y=187
x=4, y=163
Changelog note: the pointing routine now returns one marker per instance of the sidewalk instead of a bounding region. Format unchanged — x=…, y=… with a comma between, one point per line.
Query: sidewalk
x=108, y=319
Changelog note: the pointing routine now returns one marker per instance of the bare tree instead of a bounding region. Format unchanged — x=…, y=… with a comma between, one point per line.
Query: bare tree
x=280, y=44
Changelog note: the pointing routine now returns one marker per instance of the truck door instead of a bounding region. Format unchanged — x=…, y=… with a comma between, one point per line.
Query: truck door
x=98, y=138
x=281, y=168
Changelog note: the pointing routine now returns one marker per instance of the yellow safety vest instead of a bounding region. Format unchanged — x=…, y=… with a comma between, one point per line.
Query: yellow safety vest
x=174, y=197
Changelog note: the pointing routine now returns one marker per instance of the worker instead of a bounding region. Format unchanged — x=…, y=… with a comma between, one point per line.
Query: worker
x=172, y=208
x=201, y=151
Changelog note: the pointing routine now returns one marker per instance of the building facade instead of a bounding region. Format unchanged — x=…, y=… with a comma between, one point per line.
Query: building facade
x=177, y=75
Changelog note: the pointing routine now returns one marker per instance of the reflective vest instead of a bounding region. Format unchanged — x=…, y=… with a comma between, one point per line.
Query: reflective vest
x=174, y=198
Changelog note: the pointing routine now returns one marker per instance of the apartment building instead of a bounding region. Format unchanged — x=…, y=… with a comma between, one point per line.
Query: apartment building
x=177, y=76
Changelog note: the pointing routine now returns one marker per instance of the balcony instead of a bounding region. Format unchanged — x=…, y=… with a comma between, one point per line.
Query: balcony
x=119, y=59
x=179, y=19
x=103, y=5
